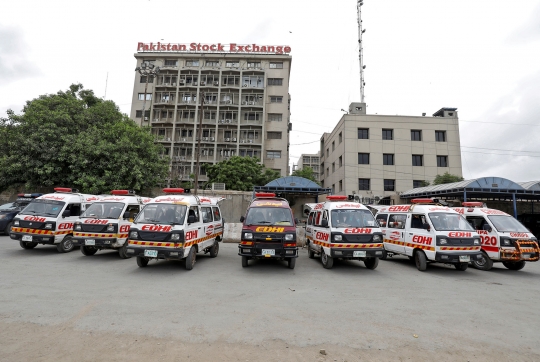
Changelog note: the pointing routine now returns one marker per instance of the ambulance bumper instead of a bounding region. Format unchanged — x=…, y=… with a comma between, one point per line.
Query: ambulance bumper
x=105, y=243
x=350, y=253
x=162, y=253
x=256, y=252
x=40, y=239
x=455, y=257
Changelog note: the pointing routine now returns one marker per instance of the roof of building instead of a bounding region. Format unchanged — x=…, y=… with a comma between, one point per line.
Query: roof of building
x=440, y=112
x=530, y=185
x=293, y=184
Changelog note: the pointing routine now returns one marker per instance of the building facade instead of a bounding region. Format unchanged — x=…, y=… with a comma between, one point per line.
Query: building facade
x=310, y=160
x=377, y=156
x=246, y=108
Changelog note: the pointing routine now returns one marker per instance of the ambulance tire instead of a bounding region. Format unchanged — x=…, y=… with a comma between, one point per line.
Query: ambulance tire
x=310, y=252
x=88, y=250
x=214, y=250
x=514, y=265
x=245, y=262
x=7, y=230
x=66, y=245
x=327, y=261
x=485, y=263
x=461, y=266
x=190, y=260
x=291, y=262
x=122, y=252
x=26, y=245
x=371, y=263
x=384, y=255
x=142, y=261
x=420, y=260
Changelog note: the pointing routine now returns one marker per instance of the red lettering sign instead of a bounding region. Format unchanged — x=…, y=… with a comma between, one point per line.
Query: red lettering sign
x=519, y=235
x=459, y=234
x=124, y=228
x=488, y=240
x=321, y=236
x=96, y=221
x=403, y=208
x=420, y=239
x=198, y=47
x=65, y=226
x=459, y=210
x=190, y=235
x=482, y=232
x=357, y=231
x=210, y=230
x=34, y=218
x=160, y=228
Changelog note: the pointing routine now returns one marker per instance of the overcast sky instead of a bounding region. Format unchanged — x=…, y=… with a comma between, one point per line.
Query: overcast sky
x=482, y=57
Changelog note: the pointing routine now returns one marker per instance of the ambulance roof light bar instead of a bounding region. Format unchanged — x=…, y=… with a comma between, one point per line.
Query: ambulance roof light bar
x=122, y=192
x=173, y=190
x=423, y=201
x=29, y=195
x=337, y=198
x=65, y=189
x=472, y=204
x=265, y=194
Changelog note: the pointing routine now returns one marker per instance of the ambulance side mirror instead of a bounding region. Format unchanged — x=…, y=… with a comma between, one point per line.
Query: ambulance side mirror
x=66, y=213
x=487, y=228
x=426, y=226
x=324, y=223
x=191, y=219
x=242, y=219
x=126, y=215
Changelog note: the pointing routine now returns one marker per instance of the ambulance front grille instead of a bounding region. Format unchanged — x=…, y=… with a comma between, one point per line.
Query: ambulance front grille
x=152, y=236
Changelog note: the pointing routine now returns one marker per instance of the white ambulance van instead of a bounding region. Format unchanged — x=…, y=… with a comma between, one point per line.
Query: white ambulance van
x=105, y=224
x=176, y=226
x=429, y=232
x=504, y=239
x=49, y=219
x=341, y=229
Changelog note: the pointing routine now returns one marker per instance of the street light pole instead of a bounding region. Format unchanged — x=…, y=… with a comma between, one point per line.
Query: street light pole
x=147, y=70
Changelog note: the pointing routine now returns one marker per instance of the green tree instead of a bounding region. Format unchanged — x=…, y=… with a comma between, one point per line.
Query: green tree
x=306, y=172
x=446, y=178
x=240, y=173
x=76, y=139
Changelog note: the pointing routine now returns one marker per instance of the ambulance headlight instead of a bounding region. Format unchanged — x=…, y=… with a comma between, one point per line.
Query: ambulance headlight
x=377, y=238
x=337, y=237
x=443, y=241
x=48, y=226
x=476, y=242
x=175, y=237
x=248, y=236
x=77, y=227
x=110, y=228
x=134, y=235
x=506, y=242
x=16, y=223
x=289, y=237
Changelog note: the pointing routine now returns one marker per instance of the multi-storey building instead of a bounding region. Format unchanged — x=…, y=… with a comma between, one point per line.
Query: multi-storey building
x=310, y=160
x=246, y=108
x=377, y=156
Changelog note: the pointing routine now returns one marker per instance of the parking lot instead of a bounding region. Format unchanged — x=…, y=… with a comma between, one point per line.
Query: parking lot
x=71, y=307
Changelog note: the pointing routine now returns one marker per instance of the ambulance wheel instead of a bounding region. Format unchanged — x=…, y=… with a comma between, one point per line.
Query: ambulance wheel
x=420, y=260
x=514, y=265
x=461, y=266
x=327, y=261
x=310, y=252
x=384, y=255
x=214, y=250
x=371, y=263
x=484, y=263
x=26, y=245
x=66, y=245
x=190, y=260
x=291, y=263
x=245, y=261
x=142, y=261
x=7, y=230
x=122, y=252
x=88, y=250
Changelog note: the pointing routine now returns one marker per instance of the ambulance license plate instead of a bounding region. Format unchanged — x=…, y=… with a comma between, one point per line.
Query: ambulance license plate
x=268, y=252
x=150, y=253
x=27, y=238
x=464, y=258
x=525, y=256
x=90, y=242
x=359, y=254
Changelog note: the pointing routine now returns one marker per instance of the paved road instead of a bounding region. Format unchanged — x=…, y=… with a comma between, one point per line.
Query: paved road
x=350, y=311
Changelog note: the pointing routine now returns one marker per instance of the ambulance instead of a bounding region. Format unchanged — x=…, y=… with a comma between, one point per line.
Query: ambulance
x=341, y=229
x=268, y=231
x=49, y=219
x=504, y=239
x=428, y=232
x=176, y=226
x=105, y=224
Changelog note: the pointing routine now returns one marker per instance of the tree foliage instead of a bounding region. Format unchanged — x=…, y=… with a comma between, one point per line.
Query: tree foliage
x=240, y=173
x=446, y=178
x=306, y=172
x=75, y=139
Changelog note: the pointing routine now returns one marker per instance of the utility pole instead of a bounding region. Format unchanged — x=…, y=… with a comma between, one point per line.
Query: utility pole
x=359, y=4
x=199, y=137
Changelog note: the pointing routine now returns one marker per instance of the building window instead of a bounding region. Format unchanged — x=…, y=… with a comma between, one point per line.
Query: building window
x=333, y=146
x=273, y=154
x=389, y=185
x=148, y=96
x=340, y=137
x=276, y=65
x=192, y=63
x=327, y=171
x=254, y=64
x=440, y=136
x=388, y=158
x=387, y=134
x=363, y=133
x=418, y=183
x=276, y=99
x=143, y=79
x=340, y=161
x=251, y=116
x=333, y=188
x=416, y=135
x=442, y=161
x=138, y=114
x=275, y=117
x=273, y=135
x=363, y=184
x=171, y=63
x=275, y=81
x=417, y=160
x=333, y=167
x=327, y=152
x=212, y=63
x=340, y=185
x=363, y=158
x=305, y=159
x=232, y=64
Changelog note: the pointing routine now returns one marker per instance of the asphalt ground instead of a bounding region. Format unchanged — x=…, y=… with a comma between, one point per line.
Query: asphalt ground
x=71, y=307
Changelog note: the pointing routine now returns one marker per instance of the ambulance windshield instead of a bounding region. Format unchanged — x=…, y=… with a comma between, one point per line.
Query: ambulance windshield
x=445, y=221
x=162, y=214
x=352, y=218
x=42, y=207
x=504, y=223
x=269, y=216
x=104, y=210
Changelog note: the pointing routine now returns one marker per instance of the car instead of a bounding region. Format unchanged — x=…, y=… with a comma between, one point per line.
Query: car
x=11, y=209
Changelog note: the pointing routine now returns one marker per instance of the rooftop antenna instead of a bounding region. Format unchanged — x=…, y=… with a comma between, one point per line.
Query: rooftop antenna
x=359, y=4
x=106, y=82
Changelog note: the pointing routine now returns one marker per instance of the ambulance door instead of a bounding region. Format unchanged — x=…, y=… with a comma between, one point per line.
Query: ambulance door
x=317, y=230
x=66, y=223
x=489, y=239
x=219, y=226
x=207, y=227
x=416, y=234
x=309, y=228
x=395, y=233
x=194, y=231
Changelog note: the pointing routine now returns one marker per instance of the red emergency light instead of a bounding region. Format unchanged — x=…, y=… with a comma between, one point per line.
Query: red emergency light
x=337, y=197
x=265, y=194
x=121, y=192
x=472, y=204
x=172, y=190
x=422, y=201
x=62, y=189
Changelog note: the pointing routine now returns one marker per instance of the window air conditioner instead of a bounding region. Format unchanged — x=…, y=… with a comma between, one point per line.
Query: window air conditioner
x=250, y=141
x=244, y=102
x=146, y=118
x=221, y=121
x=205, y=138
x=245, y=85
x=216, y=83
x=194, y=83
x=181, y=81
x=156, y=120
x=228, y=121
x=251, y=103
x=227, y=140
x=212, y=138
x=229, y=102
x=242, y=141
x=183, y=140
x=166, y=83
x=234, y=139
x=174, y=84
x=168, y=139
x=203, y=83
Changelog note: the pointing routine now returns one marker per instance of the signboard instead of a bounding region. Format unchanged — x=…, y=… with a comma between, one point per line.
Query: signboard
x=214, y=48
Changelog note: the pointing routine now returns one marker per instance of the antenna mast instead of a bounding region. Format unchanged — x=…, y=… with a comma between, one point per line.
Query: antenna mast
x=359, y=4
